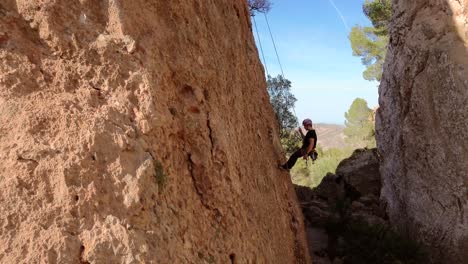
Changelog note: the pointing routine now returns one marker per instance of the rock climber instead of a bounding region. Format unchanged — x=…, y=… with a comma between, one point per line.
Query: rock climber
x=308, y=145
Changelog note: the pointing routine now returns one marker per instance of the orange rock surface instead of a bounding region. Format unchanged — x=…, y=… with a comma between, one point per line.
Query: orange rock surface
x=139, y=132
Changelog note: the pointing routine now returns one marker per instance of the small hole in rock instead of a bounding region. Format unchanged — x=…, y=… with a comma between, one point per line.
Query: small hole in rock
x=82, y=261
x=173, y=111
x=232, y=257
x=188, y=90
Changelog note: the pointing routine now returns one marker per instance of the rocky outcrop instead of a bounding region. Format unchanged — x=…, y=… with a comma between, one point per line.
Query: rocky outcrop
x=139, y=132
x=422, y=128
x=340, y=205
x=361, y=171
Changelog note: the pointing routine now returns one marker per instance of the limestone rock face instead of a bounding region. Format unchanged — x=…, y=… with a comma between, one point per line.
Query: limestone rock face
x=361, y=170
x=341, y=202
x=139, y=132
x=422, y=128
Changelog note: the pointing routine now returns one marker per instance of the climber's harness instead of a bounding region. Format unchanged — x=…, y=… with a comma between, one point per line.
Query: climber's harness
x=313, y=156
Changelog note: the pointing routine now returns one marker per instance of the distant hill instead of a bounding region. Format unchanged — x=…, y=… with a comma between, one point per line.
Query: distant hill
x=330, y=135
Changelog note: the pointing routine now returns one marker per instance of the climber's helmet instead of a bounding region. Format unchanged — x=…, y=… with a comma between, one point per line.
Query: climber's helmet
x=307, y=122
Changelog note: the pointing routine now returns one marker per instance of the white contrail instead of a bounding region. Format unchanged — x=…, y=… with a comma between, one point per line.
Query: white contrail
x=340, y=14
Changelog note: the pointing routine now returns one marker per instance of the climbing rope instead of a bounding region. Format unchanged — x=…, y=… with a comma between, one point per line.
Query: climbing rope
x=274, y=44
x=277, y=55
x=280, y=65
x=260, y=44
x=279, y=60
x=295, y=115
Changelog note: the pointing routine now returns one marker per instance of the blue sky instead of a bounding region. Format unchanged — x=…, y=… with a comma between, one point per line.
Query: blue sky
x=312, y=42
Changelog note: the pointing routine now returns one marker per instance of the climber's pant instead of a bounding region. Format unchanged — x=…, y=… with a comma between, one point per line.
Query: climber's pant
x=292, y=160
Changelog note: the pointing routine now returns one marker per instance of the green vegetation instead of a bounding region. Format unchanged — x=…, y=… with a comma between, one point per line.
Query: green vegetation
x=159, y=174
x=282, y=100
x=379, y=13
x=360, y=127
x=370, y=43
x=328, y=161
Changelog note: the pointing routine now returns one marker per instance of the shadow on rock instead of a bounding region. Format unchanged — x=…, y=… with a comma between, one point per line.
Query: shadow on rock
x=346, y=221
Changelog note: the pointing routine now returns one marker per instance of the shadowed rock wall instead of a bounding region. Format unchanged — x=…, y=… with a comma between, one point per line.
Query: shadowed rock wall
x=139, y=132
x=422, y=125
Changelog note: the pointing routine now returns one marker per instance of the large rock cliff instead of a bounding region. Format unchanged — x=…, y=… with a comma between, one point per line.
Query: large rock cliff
x=422, y=128
x=139, y=132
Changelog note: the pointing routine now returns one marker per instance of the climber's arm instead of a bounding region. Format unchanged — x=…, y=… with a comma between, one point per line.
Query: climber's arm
x=299, y=129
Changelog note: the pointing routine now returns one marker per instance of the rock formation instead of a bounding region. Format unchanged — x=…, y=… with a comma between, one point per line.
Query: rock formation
x=422, y=128
x=341, y=202
x=139, y=132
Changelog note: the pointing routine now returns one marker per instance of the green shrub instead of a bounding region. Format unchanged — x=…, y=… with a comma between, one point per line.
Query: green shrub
x=311, y=175
x=159, y=174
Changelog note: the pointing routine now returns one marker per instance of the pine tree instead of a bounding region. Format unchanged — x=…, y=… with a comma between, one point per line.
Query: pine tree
x=370, y=43
x=359, y=130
